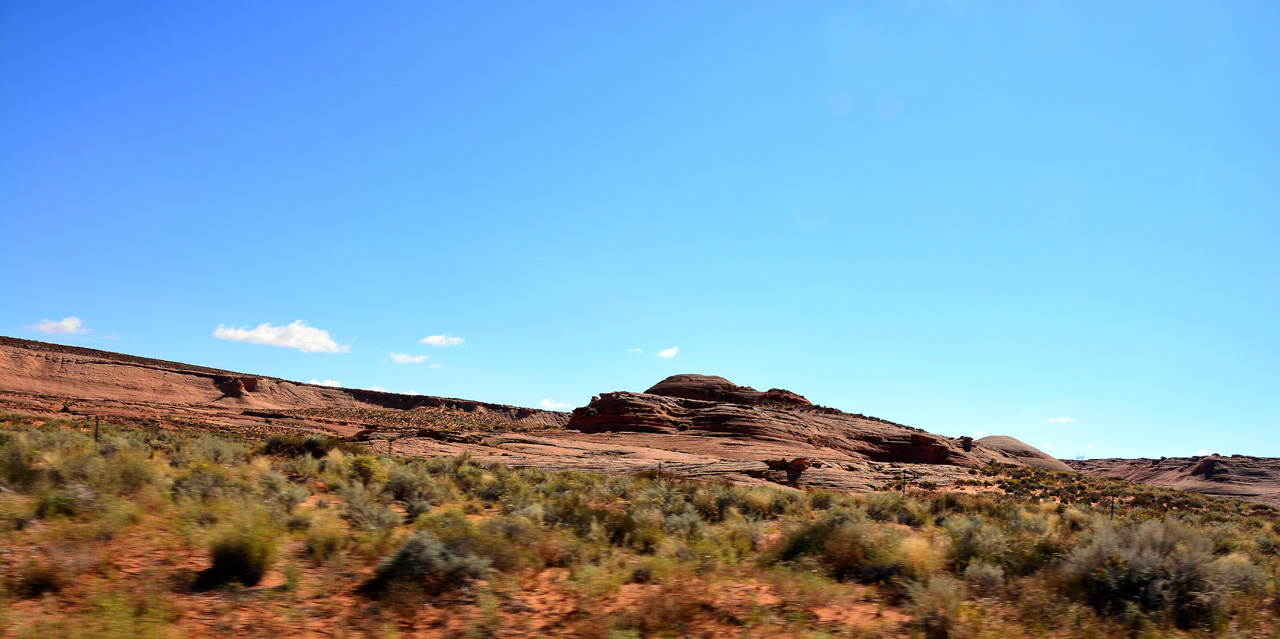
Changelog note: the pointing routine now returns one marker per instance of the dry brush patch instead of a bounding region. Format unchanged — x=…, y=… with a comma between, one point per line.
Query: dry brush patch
x=149, y=532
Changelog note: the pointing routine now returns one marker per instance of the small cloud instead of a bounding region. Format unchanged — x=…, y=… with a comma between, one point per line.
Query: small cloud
x=1059, y=420
x=669, y=353
x=635, y=350
x=112, y=336
x=981, y=433
x=403, y=358
x=435, y=365
x=441, y=340
x=307, y=339
x=412, y=392
x=1047, y=446
x=378, y=388
x=326, y=382
x=1088, y=447
x=71, y=325
x=550, y=405
x=1203, y=452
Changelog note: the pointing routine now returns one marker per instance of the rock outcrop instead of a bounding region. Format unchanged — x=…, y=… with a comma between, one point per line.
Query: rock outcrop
x=708, y=388
x=1255, y=479
x=1029, y=455
x=680, y=406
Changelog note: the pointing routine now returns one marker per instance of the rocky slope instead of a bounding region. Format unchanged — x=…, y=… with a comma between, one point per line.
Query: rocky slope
x=1255, y=479
x=692, y=425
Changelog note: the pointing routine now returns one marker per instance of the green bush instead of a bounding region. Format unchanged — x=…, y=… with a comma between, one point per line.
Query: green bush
x=238, y=556
x=423, y=561
x=360, y=508
x=1164, y=569
x=935, y=605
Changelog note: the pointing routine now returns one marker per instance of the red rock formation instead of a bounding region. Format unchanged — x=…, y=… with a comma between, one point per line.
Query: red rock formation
x=673, y=412
x=705, y=387
x=1255, y=479
x=782, y=396
x=1029, y=455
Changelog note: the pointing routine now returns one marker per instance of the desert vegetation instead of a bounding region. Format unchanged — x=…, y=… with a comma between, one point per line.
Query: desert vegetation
x=153, y=532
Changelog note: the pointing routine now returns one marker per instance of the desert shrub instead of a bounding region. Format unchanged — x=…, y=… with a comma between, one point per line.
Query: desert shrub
x=69, y=501
x=365, y=469
x=17, y=468
x=315, y=446
x=670, y=610
x=425, y=562
x=324, y=537
x=984, y=577
x=935, y=605
x=687, y=525
x=883, y=506
x=214, y=450
x=365, y=513
x=972, y=539
x=409, y=483
x=202, y=482
x=848, y=546
x=35, y=578
x=1163, y=569
x=238, y=555
x=283, y=493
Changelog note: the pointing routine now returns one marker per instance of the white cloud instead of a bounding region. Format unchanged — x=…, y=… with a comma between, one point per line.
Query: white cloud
x=441, y=340
x=325, y=382
x=435, y=365
x=378, y=388
x=635, y=350
x=112, y=336
x=669, y=353
x=404, y=358
x=307, y=339
x=1202, y=452
x=64, y=325
x=981, y=433
x=1059, y=420
x=550, y=405
x=1088, y=447
x=1047, y=446
x=412, y=392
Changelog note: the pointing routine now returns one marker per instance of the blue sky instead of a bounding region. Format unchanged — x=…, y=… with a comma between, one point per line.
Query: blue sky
x=967, y=217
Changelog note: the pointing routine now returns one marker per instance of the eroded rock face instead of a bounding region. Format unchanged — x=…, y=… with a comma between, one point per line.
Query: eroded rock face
x=782, y=396
x=1254, y=479
x=1030, y=455
x=855, y=436
x=709, y=388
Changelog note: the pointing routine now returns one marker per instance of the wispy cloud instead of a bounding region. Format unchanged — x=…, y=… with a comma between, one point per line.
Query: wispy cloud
x=307, y=339
x=1203, y=452
x=435, y=365
x=1059, y=420
x=1046, y=446
x=71, y=325
x=550, y=405
x=1088, y=447
x=669, y=353
x=412, y=392
x=635, y=350
x=404, y=358
x=981, y=433
x=325, y=382
x=441, y=340
x=378, y=388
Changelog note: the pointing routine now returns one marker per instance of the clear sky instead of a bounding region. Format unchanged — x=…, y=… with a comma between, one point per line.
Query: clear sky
x=1057, y=221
